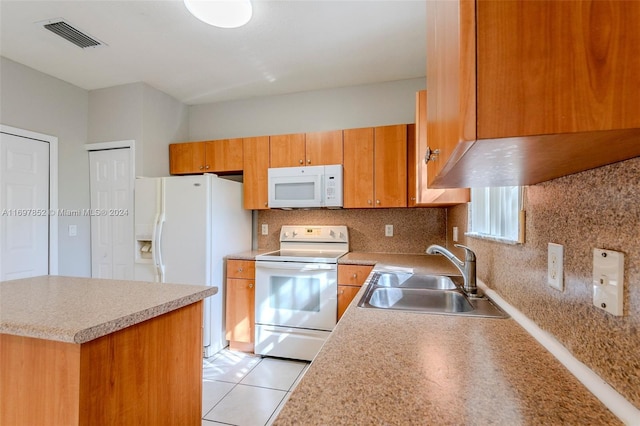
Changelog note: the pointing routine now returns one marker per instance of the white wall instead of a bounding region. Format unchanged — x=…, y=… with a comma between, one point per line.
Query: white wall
x=342, y=108
x=138, y=111
x=38, y=102
x=164, y=120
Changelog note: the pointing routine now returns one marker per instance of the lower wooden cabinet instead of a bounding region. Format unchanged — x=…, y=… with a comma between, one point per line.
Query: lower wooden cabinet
x=350, y=279
x=240, y=305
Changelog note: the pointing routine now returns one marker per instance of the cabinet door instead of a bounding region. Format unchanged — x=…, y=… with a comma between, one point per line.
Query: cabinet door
x=358, y=168
x=390, y=159
x=255, y=152
x=186, y=158
x=224, y=155
x=240, y=317
x=287, y=150
x=451, y=74
x=353, y=275
x=582, y=74
x=346, y=293
x=420, y=195
x=323, y=148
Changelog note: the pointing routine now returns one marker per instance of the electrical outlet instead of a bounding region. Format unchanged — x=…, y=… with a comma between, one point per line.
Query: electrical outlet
x=455, y=234
x=388, y=230
x=555, y=272
x=265, y=229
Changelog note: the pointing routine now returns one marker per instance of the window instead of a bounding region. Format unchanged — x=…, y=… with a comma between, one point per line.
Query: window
x=497, y=213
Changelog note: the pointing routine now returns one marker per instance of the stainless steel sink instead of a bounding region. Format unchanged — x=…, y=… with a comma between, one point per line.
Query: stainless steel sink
x=433, y=294
x=415, y=299
x=403, y=279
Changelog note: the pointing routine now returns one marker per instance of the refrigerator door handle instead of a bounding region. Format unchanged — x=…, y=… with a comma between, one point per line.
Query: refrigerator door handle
x=159, y=248
x=154, y=246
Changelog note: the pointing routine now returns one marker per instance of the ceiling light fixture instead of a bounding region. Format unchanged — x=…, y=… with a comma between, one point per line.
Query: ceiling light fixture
x=221, y=13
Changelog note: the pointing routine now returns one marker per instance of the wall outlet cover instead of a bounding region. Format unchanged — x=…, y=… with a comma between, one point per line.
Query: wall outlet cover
x=388, y=230
x=608, y=281
x=265, y=229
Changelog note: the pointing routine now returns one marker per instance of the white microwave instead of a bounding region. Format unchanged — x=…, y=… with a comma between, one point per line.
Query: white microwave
x=305, y=187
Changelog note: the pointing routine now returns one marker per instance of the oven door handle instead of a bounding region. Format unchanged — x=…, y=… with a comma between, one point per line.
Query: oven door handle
x=300, y=266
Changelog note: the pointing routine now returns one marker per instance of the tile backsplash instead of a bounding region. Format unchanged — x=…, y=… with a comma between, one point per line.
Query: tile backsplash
x=413, y=229
x=599, y=208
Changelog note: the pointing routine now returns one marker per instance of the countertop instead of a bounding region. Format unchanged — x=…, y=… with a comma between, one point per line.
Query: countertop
x=77, y=310
x=247, y=255
x=392, y=367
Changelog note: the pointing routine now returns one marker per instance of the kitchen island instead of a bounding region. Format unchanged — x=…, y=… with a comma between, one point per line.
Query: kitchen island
x=396, y=368
x=93, y=351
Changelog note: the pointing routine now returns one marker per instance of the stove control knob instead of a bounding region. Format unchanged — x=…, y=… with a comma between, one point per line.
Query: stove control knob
x=342, y=236
x=294, y=234
x=286, y=235
x=332, y=234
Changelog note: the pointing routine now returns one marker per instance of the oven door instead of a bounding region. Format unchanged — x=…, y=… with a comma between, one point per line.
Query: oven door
x=296, y=294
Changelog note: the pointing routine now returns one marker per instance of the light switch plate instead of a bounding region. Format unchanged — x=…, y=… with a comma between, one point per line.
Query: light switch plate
x=265, y=229
x=555, y=270
x=73, y=230
x=608, y=281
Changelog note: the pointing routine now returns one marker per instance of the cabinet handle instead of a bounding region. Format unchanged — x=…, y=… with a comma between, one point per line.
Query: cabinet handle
x=201, y=167
x=207, y=167
x=250, y=285
x=301, y=162
x=308, y=161
x=266, y=204
x=368, y=201
x=377, y=201
x=413, y=198
x=239, y=269
x=431, y=155
x=341, y=292
x=355, y=275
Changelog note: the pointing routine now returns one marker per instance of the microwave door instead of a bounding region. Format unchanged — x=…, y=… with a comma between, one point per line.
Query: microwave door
x=295, y=191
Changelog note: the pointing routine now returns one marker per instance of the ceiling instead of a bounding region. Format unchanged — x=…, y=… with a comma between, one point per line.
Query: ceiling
x=288, y=46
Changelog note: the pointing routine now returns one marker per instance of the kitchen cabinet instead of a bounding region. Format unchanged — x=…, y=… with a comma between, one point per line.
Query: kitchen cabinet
x=255, y=165
x=524, y=92
x=240, y=304
x=350, y=279
x=375, y=167
x=420, y=195
x=310, y=149
x=219, y=156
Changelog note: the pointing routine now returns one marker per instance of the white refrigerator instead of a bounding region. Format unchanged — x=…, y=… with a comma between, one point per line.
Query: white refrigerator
x=184, y=228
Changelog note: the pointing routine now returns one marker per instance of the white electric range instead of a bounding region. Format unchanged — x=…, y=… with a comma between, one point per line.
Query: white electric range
x=296, y=291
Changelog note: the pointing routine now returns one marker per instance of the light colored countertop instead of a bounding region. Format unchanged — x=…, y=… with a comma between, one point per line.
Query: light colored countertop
x=396, y=368
x=247, y=255
x=77, y=310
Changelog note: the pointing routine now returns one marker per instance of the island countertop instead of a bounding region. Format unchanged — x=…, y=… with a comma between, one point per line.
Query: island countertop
x=78, y=310
x=392, y=367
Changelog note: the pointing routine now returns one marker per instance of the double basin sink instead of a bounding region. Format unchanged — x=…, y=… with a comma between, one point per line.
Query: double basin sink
x=436, y=294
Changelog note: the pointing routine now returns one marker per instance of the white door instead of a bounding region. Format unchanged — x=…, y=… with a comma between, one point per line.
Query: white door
x=111, y=214
x=24, y=207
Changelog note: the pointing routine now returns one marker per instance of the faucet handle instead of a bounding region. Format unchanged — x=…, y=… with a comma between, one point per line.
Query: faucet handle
x=469, y=255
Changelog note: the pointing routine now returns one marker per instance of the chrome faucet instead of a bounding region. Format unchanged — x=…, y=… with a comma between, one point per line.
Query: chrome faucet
x=467, y=268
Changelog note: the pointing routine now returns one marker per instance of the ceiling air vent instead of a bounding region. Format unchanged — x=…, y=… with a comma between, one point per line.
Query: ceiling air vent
x=69, y=33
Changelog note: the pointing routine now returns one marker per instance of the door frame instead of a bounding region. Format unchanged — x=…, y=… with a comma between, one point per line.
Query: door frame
x=53, y=187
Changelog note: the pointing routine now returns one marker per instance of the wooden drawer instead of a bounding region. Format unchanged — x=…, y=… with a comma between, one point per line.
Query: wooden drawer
x=241, y=269
x=353, y=274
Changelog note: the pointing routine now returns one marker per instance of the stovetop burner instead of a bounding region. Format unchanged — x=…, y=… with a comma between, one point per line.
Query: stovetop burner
x=310, y=244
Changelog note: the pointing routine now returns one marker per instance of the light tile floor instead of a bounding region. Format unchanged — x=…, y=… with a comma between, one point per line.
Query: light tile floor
x=246, y=390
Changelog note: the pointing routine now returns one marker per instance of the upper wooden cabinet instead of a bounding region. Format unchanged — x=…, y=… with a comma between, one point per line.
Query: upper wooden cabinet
x=375, y=167
x=420, y=195
x=523, y=92
x=219, y=156
x=310, y=149
x=323, y=148
x=255, y=165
